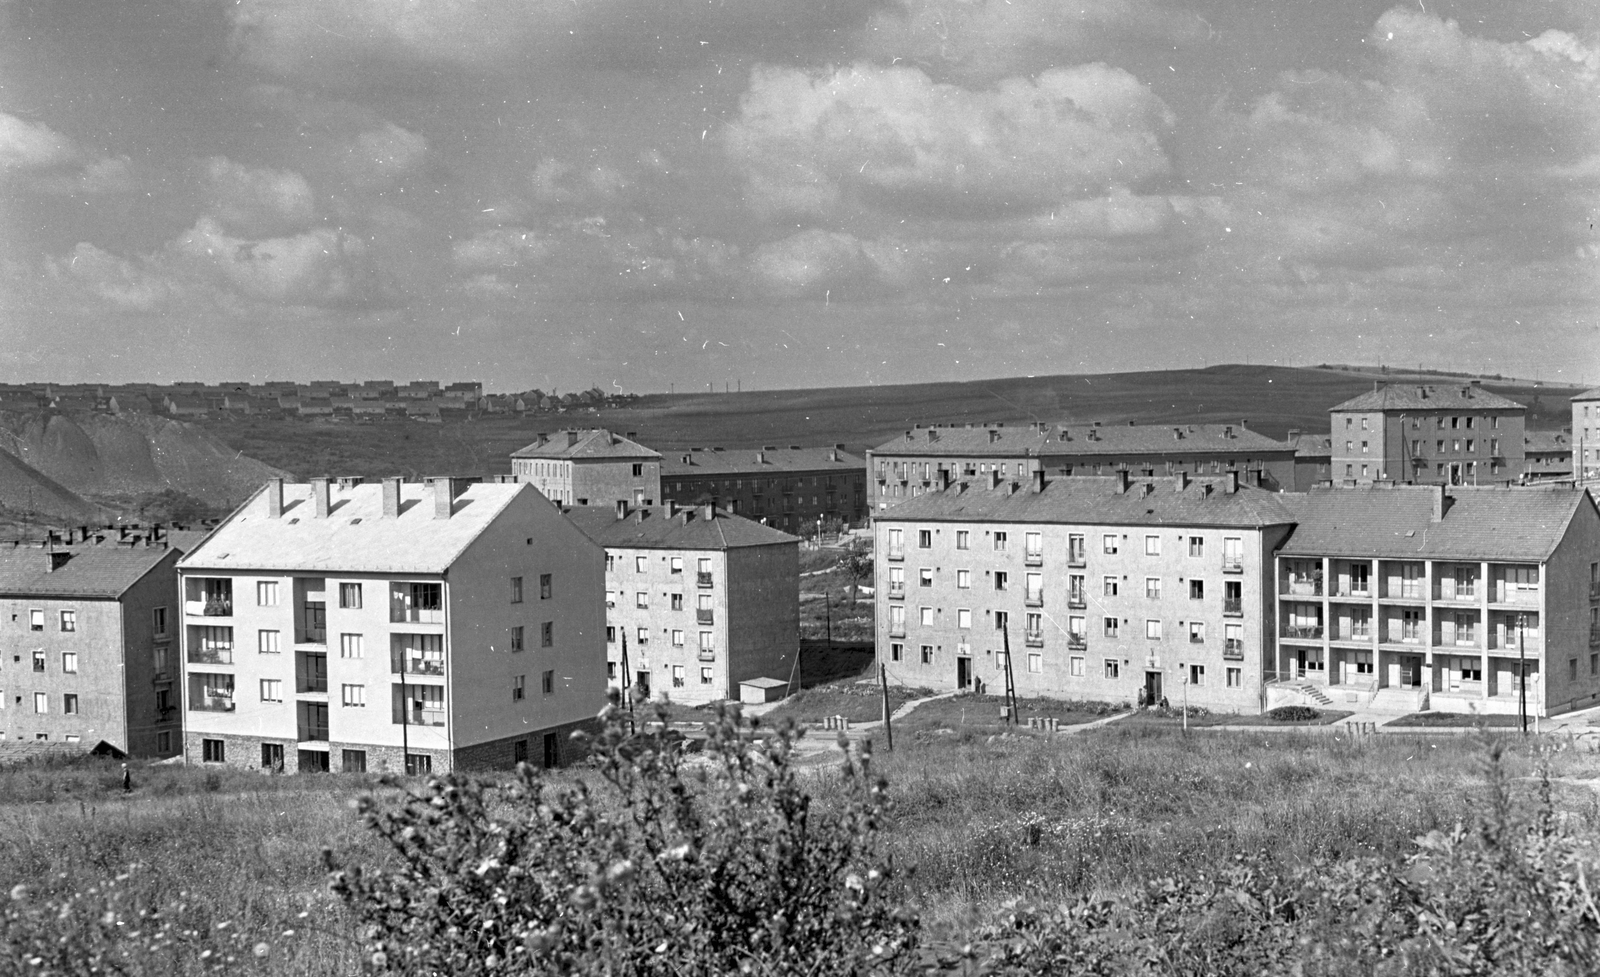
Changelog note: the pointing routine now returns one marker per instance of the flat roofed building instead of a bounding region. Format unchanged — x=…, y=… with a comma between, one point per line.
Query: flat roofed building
x=1400, y=598
x=1428, y=434
x=909, y=466
x=1586, y=437
x=698, y=600
x=789, y=488
x=1101, y=586
x=392, y=626
x=90, y=649
x=590, y=467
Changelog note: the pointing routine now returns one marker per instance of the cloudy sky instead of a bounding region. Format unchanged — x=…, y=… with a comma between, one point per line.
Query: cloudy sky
x=786, y=193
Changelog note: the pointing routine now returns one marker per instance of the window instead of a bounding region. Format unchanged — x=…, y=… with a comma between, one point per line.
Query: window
x=1112, y=667
x=352, y=646
x=1572, y=669
x=999, y=542
x=350, y=600
x=1197, y=546
x=69, y=620
x=1111, y=627
x=516, y=639
x=1364, y=448
x=706, y=677
x=1152, y=629
x=1035, y=662
x=1001, y=618
x=611, y=634
x=41, y=702
x=1109, y=586
x=267, y=642
x=1197, y=590
x=677, y=638
x=516, y=590
x=963, y=579
x=38, y=661
x=353, y=695
x=418, y=764
x=961, y=539
x=1197, y=632
x=1471, y=443
x=1152, y=588
x=69, y=700
x=925, y=577
x=1033, y=545
x=896, y=651
x=641, y=599
x=924, y=539
x=353, y=761
x=1152, y=546
x=964, y=618
x=1235, y=678
x=1108, y=542
x=1075, y=666
x=676, y=601
x=36, y=620
x=69, y=662
x=271, y=690
x=640, y=564
x=547, y=682
x=519, y=687
x=1000, y=580
x=927, y=654
x=926, y=618
x=266, y=593
x=211, y=751
x=158, y=621
x=1197, y=675
x=547, y=634
x=547, y=589
x=638, y=470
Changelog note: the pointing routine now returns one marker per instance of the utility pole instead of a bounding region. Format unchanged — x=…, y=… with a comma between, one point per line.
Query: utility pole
x=827, y=610
x=627, y=684
x=1522, y=675
x=883, y=683
x=1011, y=687
x=405, y=717
x=1183, y=680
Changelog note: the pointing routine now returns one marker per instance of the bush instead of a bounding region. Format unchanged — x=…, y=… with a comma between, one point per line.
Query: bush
x=664, y=867
x=1293, y=714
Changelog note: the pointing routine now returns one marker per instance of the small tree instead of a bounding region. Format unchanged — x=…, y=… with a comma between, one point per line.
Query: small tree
x=858, y=565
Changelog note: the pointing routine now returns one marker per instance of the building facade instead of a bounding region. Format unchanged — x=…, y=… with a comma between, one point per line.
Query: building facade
x=1099, y=587
x=909, y=465
x=1547, y=457
x=391, y=627
x=590, y=467
x=1426, y=434
x=787, y=488
x=90, y=641
x=1586, y=437
x=1313, y=460
x=1401, y=598
x=697, y=599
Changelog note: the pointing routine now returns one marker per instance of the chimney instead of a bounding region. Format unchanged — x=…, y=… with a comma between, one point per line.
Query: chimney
x=622, y=508
x=632, y=435
x=391, y=498
x=1294, y=434
x=934, y=435
x=908, y=436
x=672, y=508
x=319, y=497
x=1123, y=481
x=1227, y=430
x=711, y=509
x=1038, y=480
x=57, y=561
x=833, y=455
x=994, y=436
x=1255, y=477
x=445, y=490
x=733, y=507
x=274, y=501
x=1441, y=503
x=761, y=457
x=994, y=478
x=572, y=438
x=1182, y=480
x=1477, y=383
x=1233, y=480
x=638, y=515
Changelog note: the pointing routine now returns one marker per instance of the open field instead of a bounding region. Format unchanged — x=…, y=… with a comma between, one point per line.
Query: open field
x=1173, y=719
x=969, y=716
x=1459, y=719
x=1274, y=399
x=859, y=702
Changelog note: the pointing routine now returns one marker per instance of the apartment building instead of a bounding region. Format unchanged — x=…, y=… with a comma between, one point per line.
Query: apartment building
x=909, y=466
x=1426, y=434
x=697, y=598
x=393, y=626
x=590, y=467
x=1402, y=598
x=1586, y=437
x=1100, y=586
x=90, y=650
x=1547, y=457
x=786, y=487
x=1313, y=460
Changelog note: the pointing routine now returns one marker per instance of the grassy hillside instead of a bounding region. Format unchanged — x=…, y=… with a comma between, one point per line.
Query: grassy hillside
x=1273, y=399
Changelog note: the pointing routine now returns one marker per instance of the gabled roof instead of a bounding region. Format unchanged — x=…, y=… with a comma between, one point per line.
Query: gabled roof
x=580, y=445
x=1312, y=446
x=1081, y=439
x=1094, y=500
x=355, y=537
x=1547, y=441
x=756, y=461
x=1412, y=396
x=688, y=529
x=100, y=570
x=1589, y=395
x=1524, y=524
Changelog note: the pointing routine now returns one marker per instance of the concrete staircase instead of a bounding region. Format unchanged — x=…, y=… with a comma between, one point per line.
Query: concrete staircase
x=1399, y=699
x=1316, y=694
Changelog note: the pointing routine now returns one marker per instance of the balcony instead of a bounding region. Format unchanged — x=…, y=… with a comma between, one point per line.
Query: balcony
x=212, y=703
x=1077, y=601
x=416, y=615
x=1363, y=592
x=305, y=732
x=1034, y=598
x=1303, y=587
x=1233, y=648
x=897, y=630
x=702, y=579
x=1594, y=635
x=210, y=607
x=1233, y=606
x=1077, y=642
x=1075, y=557
x=211, y=655
x=1404, y=637
x=1302, y=631
x=703, y=616
x=897, y=553
x=1352, y=633
x=706, y=655
x=1033, y=558
x=416, y=666
x=1197, y=639
x=1033, y=639
x=311, y=636
x=1232, y=564
x=897, y=590
x=1527, y=596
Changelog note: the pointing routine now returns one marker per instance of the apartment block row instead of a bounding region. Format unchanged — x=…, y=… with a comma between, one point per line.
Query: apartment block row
x=1387, y=598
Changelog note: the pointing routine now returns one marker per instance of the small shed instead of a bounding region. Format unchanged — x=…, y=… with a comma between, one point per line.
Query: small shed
x=758, y=690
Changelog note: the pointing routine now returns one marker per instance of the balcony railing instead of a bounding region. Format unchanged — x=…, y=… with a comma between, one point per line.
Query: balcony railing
x=707, y=655
x=1075, y=557
x=897, y=590
x=897, y=553
x=1302, y=630
x=211, y=655
x=312, y=684
x=1352, y=634
x=419, y=717
x=1034, y=598
x=215, y=606
x=1364, y=591
x=1233, y=648
x=897, y=630
x=1458, y=593
x=702, y=616
x=417, y=666
x=304, y=733
x=1233, y=606
x=1510, y=595
x=702, y=579
x=1034, y=639
x=1197, y=639
x=1076, y=600
x=312, y=636
x=211, y=703
x=416, y=615
x=1405, y=637
x=1077, y=642
x=1232, y=564
x=1303, y=588
x=1033, y=558
x=1594, y=635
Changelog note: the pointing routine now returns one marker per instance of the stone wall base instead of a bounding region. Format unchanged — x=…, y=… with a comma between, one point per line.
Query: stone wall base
x=503, y=754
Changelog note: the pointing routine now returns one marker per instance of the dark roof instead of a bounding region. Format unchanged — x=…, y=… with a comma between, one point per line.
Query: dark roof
x=1589, y=395
x=1428, y=397
x=1081, y=439
x=592, y=443
x=1094, y=500
x=1478, y=524
x=1312, y=446
x=755, y=461
x=104, y=570
x=687, y=530
x=1547, y=441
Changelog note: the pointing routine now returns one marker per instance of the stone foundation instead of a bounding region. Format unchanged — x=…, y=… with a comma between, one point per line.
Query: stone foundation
x=244, y=752
x=501, y=754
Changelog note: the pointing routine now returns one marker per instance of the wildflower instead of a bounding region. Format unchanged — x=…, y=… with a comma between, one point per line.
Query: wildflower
x=620, y=872
x=380, y=959
x=19, y=893
x=261, y=949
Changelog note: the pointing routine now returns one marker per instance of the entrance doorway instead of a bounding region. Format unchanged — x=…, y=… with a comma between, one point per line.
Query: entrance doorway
x=1411, y=670
x=963, y=672
x=642, y=680
x=552, y=750
x=1152, y=688
x=272, y=757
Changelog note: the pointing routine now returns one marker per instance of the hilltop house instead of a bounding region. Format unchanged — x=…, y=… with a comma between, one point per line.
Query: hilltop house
x=590, y=467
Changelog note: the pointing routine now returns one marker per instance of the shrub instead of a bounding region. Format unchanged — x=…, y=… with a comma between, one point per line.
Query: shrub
x=1293, y=714
x=664, y=867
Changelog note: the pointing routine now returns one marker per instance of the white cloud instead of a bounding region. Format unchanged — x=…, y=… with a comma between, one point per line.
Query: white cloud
x=28, y=145
x=258, y=201
x=320, y=266
x=380, y=157
x=501, y=248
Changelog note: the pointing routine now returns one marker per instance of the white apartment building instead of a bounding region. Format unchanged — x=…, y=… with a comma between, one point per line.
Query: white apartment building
x=396, y=627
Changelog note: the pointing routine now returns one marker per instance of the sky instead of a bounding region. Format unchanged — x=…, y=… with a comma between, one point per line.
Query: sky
x=676, y=194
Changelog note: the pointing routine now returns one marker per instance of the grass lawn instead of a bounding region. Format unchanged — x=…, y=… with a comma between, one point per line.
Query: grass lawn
x=980, y=714
x=1459, y=719
x=856, y=701
x=1174, y=720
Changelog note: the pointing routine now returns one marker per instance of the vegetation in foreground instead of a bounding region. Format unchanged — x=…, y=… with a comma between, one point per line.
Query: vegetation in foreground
x=1135, y=851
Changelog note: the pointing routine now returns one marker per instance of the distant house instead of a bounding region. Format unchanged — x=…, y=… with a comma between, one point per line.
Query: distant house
x=1586, y=437
x=187, y=405
x=426, y=413
x=590, y=467
x=131, y=403
x=786, y=487
x=316, y=407
x=76, y=402
x=1313, y=460
x=1548, y=456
